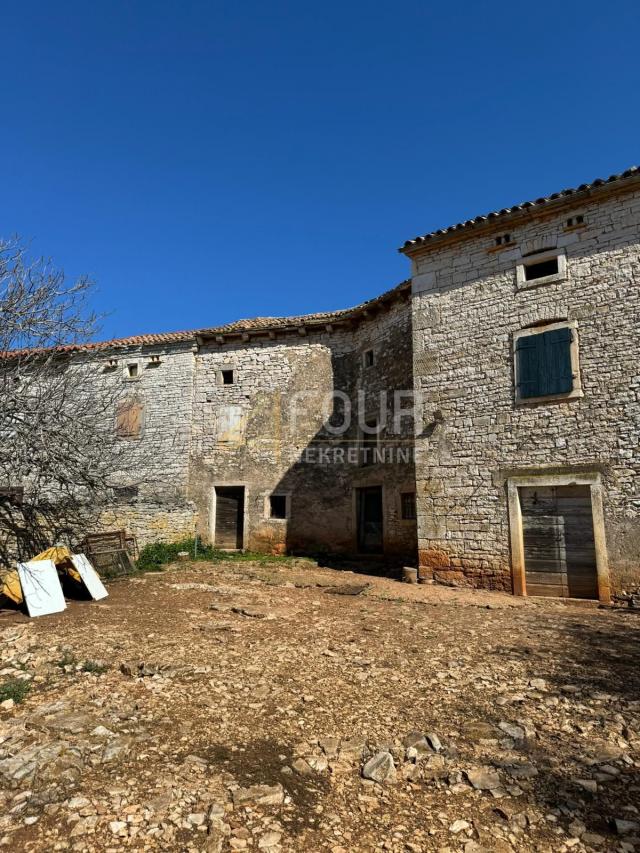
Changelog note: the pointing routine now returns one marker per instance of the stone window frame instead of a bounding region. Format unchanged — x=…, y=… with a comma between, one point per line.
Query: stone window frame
x=123, y=404
x=365, y=354
x=126, y=494
x=128, y=363
x=500, y=242
x=594, y=481
x=287, y=509
x=576, y=392
x=575, y=222
x=539, y=257
x=233, y=416
x=224, y=368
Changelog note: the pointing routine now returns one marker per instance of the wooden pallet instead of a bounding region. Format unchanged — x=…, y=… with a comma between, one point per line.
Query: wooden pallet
x=111, y=552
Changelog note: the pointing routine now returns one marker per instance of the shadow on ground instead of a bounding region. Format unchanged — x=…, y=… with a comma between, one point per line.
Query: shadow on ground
x=590, y=667
x=261, y=762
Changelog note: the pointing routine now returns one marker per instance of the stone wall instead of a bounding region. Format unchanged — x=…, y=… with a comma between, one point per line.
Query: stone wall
x=267, y=432
x=473, y=436
x=161, y=511
x=271, y=430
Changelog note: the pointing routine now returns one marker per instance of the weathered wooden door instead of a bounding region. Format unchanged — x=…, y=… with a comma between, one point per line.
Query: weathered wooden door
x=559, y=548
x=229, y=516
x=369, y=511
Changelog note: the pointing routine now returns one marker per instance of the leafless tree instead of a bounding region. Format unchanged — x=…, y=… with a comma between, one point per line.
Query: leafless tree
x=60, y=455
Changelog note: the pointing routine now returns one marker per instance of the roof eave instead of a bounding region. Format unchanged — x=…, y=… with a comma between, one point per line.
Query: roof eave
x=520, y=213
x=340, y=318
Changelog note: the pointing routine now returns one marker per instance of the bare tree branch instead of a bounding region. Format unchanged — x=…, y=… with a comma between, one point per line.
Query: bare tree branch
x=58, y=441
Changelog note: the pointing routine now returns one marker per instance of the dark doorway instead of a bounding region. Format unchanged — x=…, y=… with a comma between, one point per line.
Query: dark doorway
x=559, y=547
x=229, y=517
x=369, y=518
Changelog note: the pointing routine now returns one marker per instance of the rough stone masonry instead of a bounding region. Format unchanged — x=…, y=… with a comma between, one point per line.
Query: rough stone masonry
x=471, y=302
x=505, y=486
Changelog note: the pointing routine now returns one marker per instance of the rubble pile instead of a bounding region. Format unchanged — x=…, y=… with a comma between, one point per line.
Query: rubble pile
x=629, y=598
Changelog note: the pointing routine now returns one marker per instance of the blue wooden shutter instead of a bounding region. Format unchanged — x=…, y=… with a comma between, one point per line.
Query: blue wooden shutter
x=530, y=359
x=544, y=364
x=558, y=376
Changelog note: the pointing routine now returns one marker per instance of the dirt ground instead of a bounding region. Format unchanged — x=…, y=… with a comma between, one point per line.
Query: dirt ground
x=240, y=706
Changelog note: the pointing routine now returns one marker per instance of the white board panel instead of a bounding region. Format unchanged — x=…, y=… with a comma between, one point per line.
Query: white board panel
x=90, y=578
x=41, y=587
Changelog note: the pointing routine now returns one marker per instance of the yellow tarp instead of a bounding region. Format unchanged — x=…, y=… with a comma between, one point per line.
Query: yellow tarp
x=58, y=553
x=11, y=588
x=61, y=556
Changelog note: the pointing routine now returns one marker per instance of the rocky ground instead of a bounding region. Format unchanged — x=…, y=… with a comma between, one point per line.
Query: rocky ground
x=248, y=706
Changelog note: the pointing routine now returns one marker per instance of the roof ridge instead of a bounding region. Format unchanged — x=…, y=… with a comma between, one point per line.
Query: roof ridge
x=415, y=242
x=250, y=324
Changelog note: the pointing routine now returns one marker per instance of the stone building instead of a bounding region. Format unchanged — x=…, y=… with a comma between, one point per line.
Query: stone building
x=519, y=334
x=247, y=422
x=526, y=349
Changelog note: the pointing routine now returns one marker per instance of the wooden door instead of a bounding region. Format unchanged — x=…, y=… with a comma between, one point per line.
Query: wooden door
x=559, y=547
x=229, y=517
x=369, y=510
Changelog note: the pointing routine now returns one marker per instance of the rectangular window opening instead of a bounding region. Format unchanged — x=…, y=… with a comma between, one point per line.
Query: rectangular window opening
x=125, y=493
x=541, y=269
x=132, y=370
x=277, y=506
x=408, y=506
x=227, y=377
x=369, y=358
x=544, y=364
x=129, y=417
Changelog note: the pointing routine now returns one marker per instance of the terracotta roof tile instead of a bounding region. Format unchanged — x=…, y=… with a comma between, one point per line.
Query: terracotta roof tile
x=255, y=324
x=469, y=224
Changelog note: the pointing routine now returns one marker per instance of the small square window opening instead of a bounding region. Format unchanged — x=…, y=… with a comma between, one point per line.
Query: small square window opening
x=278, y=506
x=227, y=377
x=132, y=370
x=541, y=269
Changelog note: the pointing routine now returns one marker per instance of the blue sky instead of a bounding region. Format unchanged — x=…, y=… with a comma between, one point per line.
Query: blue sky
x=210, y=161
